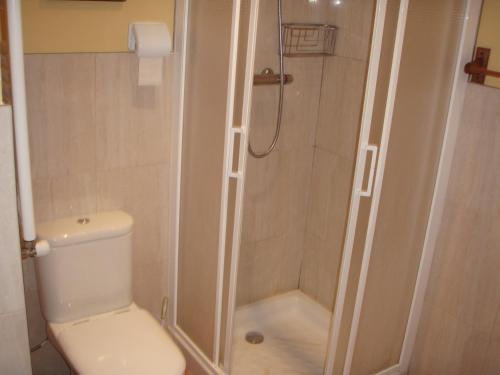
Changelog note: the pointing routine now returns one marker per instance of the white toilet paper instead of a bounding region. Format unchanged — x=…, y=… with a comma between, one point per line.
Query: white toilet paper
x=150, y=71
x=151, y=42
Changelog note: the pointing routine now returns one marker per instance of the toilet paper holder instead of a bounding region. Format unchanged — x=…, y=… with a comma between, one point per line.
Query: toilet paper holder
x=151, y=41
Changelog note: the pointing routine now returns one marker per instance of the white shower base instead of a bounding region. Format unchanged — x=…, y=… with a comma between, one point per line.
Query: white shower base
x=295, y=330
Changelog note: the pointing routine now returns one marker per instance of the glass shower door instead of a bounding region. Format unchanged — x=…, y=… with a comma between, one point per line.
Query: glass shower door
x=410, y=135
x=206, y=91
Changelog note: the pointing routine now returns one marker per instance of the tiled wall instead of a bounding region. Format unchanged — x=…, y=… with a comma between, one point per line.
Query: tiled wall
x=335, y=143
x=99, y=142
x=460, y=328
x=14, y=352
x=277, y=186
x=296, y=198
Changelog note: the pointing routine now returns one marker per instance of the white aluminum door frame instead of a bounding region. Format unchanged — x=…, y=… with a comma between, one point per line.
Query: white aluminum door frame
x=240, y=178
x=210, y=365
x=384, y=143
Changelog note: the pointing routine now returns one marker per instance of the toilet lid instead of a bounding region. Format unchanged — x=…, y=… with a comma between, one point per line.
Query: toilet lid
x=127, y=342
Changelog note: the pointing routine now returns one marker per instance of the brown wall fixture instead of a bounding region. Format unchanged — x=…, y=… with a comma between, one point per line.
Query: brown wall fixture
x=478, y=69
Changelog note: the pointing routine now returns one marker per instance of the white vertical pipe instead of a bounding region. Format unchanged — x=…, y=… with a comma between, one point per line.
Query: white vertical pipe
x=20, y=119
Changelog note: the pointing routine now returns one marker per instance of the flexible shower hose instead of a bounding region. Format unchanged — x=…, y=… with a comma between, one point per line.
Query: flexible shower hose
x=272, y=146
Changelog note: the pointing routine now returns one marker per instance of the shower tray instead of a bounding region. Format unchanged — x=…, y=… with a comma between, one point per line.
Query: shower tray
x=295, y=330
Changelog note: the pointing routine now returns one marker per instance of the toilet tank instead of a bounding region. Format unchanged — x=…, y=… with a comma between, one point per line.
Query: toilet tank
x=89, y=268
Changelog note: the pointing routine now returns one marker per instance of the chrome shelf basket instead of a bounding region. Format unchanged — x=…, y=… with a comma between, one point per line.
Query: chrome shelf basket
x=308, y=39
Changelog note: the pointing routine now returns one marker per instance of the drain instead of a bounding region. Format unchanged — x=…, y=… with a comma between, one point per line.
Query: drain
x=254, y=337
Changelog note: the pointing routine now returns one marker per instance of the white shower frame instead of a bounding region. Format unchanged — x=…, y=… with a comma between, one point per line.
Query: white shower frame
x=212, y=365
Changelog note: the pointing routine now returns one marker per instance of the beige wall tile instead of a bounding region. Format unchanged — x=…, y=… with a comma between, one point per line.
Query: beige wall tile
x=319, y=271
x=291, y=187
x=258, y=269
x=42, y=199
x=326, y=221
x=465, y=280
x=142, y=192
x=475, y=187
x=301, y=103
x=135, y=188
x=437, y=330
x=492, y=362
x=495, y=334
x=74, y=195
x=147, y=286
x=341, y=105
x=61, y=113
x=468, y=350
x=453, y=260
x=132, y=127
x=354, y=20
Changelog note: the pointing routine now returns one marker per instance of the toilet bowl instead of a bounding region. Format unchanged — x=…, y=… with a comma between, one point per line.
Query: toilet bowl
x=85, y=287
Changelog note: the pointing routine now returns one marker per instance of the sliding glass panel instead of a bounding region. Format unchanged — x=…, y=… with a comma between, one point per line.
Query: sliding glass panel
x=377, y=122
x=297, y=197
x=207, y=71
x=422, y=99
x=236, y=166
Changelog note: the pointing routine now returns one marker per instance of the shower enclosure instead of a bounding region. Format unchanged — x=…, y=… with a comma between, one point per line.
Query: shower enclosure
x=310, y=259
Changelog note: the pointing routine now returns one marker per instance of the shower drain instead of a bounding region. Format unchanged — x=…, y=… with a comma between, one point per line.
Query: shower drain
x=254, y=337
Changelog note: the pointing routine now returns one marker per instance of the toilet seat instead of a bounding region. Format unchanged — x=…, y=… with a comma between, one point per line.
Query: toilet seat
x=127, y=342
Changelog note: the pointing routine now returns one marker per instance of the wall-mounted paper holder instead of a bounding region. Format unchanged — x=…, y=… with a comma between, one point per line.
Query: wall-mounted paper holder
x=151, y=41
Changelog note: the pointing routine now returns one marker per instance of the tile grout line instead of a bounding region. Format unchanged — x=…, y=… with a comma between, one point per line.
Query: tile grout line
x=316, y=125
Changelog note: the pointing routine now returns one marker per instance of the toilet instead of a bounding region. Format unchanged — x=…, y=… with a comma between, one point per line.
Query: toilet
x=85, y=288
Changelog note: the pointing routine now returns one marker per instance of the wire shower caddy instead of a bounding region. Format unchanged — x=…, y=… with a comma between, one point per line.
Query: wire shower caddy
x=308, y=39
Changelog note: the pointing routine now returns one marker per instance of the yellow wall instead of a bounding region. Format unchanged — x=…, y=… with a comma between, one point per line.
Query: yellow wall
x=489, y=37
x=58, y=26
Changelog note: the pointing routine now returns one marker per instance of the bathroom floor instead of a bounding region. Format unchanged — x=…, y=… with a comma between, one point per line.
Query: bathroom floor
x=295, y=330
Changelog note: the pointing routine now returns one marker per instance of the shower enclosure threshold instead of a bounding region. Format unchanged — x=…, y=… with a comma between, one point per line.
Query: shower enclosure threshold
x=295, y=332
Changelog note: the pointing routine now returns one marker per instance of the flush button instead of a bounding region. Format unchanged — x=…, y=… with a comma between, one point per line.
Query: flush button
x=83, y=220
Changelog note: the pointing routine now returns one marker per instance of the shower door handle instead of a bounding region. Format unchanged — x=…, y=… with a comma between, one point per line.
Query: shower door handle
x=232, y=134
x=368, y=192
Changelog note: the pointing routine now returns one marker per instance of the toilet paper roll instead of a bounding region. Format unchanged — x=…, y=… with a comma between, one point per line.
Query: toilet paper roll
x=150, y=71
x=149, y=39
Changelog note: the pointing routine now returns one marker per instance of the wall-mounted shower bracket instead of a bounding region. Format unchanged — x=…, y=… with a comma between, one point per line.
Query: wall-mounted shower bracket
x=268, y=77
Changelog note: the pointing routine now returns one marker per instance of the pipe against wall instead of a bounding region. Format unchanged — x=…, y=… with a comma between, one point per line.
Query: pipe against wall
x=31, y=247
x=20, y=120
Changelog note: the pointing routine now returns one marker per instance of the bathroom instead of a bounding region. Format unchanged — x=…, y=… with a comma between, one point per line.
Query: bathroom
x=313, y=184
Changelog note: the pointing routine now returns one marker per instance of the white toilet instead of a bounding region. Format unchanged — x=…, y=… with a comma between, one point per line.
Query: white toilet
x=85, y=286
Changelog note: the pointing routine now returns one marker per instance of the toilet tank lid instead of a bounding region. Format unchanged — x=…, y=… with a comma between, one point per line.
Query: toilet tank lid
x=83, y=228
